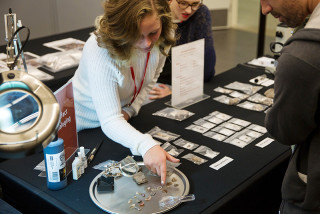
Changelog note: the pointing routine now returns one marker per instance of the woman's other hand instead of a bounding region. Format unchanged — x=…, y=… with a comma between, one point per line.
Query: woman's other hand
x=159, y=92
x=125, y=115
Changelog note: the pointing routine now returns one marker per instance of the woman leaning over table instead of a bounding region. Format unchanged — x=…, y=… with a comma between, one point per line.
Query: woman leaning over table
x=119, y=66
x=194, y=22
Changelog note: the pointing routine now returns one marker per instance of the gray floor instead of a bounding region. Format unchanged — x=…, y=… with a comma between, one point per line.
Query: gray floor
x=236, y=46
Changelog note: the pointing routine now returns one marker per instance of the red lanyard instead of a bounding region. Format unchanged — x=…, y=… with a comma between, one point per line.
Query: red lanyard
x=134, y=80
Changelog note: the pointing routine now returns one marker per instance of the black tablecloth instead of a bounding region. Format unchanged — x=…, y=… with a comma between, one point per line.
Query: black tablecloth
x=232, y=189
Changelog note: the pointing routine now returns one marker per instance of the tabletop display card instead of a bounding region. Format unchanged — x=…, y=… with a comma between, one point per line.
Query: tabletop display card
x=187, y=74
x=67, y=128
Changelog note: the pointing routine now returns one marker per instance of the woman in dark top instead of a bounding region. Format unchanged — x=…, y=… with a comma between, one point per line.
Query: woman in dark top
x=194, y=23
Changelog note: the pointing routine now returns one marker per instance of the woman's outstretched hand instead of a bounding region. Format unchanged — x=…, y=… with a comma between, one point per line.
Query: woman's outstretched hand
x=155, y=160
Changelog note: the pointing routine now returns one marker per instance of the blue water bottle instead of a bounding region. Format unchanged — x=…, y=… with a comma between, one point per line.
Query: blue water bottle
x=55, y=162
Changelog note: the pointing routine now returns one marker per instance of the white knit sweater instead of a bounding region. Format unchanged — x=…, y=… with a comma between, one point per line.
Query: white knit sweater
x=103, y=87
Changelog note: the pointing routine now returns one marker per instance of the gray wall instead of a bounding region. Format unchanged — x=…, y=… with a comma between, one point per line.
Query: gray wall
x=48, y=17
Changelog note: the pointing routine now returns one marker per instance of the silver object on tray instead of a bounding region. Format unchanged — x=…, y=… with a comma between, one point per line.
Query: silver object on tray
x=129, y=197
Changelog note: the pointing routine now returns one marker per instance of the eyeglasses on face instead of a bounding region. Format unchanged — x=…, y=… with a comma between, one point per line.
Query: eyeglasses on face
x=184, y=5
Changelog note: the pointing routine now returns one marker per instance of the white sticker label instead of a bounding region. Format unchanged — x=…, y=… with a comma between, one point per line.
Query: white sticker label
x=221, y=163
x=264, y=142
x=55, y=166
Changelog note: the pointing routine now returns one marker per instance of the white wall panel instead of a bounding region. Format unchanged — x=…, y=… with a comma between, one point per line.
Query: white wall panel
x=47, y=17
x=77, y=14
x=35, y=14
x=217, y=4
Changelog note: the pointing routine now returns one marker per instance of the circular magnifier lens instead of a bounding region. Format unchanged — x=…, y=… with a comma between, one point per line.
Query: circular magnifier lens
x=129, y=166
x=19, y=111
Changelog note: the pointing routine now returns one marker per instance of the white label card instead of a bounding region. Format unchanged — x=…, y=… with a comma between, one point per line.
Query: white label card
x=221, y=163
x=187, y=71
x=264, y=142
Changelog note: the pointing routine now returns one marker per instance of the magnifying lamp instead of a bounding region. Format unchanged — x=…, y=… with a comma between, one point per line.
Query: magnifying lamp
x=29, y=114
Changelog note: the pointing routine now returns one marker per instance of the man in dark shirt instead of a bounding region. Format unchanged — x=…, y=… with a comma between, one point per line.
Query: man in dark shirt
x=294, y=118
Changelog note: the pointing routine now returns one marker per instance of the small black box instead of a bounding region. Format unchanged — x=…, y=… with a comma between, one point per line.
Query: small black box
x=105, y=184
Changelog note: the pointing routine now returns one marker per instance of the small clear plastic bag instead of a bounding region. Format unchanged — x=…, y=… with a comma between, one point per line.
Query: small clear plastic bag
x=239, y=95
x=174, y=114
x=215, y=136
x=231, y=126
x=258, y=128
x=239, y=122
x=59, y=61
x=206, y=151
x=185, y=144
x=221, y=115
x=213, y=119
x=252, y=106
x=197, y=128
x=204, y=123
x=223, y=90
x=194, y=158
x=163, y=135
x=104, y=165
x=243, y=138
x=171, y=149
x=246, y=88
x=258, y=98
x=223, y=130
x=227, y=100
x=269, y=93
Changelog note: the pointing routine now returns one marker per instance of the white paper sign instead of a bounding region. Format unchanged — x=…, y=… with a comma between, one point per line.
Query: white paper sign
x=187, y=72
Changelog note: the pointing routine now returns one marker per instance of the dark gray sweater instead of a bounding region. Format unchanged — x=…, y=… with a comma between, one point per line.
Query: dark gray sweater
x=294, y=119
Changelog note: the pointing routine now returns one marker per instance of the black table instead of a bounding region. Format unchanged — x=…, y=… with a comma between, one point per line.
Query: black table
x=249, y=184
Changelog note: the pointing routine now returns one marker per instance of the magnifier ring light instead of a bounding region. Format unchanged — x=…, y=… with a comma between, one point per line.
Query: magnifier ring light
x=31, y=114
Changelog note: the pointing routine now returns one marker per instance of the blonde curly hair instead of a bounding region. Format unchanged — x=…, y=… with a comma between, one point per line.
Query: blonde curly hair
x=118, y=29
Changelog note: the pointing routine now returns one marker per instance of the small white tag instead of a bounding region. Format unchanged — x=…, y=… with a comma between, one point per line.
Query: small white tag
x=221, y=163
x=264, y=142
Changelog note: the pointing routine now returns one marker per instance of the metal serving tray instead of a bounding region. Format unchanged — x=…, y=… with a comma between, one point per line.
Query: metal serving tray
x=126, y=189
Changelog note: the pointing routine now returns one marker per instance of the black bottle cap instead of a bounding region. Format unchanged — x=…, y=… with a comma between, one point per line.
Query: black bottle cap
x=56, y=137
